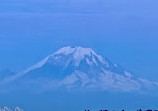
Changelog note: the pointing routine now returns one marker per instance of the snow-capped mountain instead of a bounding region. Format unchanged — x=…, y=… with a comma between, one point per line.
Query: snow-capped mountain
x=77, y=67
x=8, y=109
x=69, y=59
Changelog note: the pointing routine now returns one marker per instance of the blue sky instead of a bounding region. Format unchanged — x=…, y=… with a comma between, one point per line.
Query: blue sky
x=125, y=31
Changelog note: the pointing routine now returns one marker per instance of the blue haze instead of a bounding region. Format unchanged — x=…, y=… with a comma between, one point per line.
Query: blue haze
x=125, y=31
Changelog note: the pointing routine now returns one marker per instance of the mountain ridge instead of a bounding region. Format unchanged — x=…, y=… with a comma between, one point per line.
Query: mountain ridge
x=77, y=67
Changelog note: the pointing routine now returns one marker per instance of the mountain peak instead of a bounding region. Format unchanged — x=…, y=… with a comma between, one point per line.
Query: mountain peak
x=65, y=50
x=79, y=50
x=79, y=53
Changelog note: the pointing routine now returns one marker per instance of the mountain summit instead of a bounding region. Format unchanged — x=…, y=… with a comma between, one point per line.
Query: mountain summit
x=69, y=59
x=77, y=67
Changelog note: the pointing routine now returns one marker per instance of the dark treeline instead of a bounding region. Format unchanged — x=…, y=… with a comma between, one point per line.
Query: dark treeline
x=124, y=110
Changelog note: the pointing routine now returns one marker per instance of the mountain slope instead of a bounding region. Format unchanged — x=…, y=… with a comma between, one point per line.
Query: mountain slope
x=77, y=67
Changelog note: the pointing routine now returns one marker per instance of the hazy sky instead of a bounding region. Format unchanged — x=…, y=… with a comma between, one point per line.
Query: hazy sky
x=125, y=31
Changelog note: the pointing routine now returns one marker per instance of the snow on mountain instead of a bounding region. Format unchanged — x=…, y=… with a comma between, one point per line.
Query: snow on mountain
x=80, y=53
x=8, y=109
x=71, y=54
x=77, y=67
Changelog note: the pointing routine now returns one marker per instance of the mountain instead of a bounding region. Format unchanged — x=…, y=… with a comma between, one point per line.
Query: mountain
x=7, y=109
x=79, y=68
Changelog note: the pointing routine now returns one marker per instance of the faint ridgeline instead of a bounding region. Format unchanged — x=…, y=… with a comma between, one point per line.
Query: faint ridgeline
x=8, y=109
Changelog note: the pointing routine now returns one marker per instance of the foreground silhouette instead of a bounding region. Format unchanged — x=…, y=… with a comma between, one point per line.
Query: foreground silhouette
x=124, y=110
